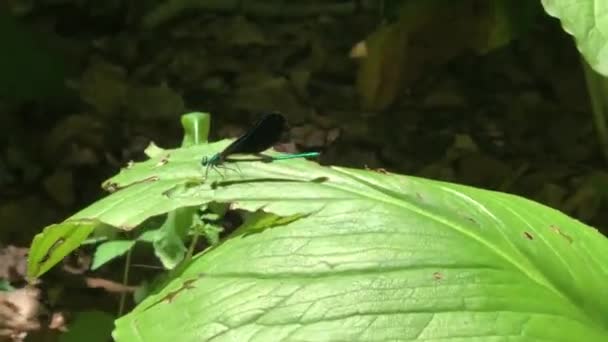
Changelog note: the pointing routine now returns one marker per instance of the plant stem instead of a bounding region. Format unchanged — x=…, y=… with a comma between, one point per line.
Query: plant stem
x=596, y=86
x=125, y=281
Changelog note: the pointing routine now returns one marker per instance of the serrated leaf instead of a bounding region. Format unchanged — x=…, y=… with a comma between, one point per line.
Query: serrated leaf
x=382, y=257
x=110, y=250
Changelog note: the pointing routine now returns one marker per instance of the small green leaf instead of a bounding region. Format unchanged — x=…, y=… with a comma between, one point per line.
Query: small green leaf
x=196, y=128
x=141, y=292
x=210, y=231
x=169, y=242
x=110, y=250
x=153, y=151
x=148, y=236
x=55, y=242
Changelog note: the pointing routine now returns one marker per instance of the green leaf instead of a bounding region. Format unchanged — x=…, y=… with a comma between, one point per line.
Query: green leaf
x=141, y=292
x=56, y=242
x=381, y=257
x=110, y=250
x=148, y=236
x=169, y=242
x=143, y=191
x=152, y=150
x=259, y=221
x=372, y=256
x=196, y=128
x=587, y=22
x=210, y=232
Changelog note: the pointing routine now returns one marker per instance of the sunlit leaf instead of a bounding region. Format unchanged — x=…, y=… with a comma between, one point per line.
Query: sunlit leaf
x=110, y=250
x=382, y=257
x=196, y=128
x=587, y=22
x=169, y=241
x=55, y=242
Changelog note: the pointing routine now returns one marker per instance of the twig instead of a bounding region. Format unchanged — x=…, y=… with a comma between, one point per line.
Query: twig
x=125, y=281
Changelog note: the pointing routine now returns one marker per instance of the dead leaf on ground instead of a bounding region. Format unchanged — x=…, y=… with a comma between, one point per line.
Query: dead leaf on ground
x=13, y=263
x=19, y=311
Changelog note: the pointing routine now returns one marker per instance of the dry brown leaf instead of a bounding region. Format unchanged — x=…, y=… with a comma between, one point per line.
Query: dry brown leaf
x=380, y=72
x=19, y=311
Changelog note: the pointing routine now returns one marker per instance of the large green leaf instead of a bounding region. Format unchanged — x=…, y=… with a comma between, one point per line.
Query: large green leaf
x=367, y=256
x=377, y=257
x=587, y=21
x=140, y=191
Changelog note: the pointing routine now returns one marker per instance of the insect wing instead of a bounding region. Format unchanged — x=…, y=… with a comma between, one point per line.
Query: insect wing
x=265, y=133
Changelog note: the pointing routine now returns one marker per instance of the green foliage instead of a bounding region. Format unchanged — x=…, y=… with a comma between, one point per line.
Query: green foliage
x=587, y=22
x=110, y=250
x=353, y=255
x=56, y=242
x=377, y=249
x=196, y=126
x=169, y=242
